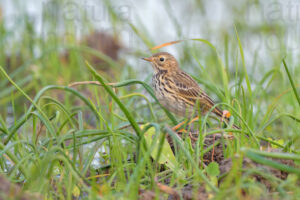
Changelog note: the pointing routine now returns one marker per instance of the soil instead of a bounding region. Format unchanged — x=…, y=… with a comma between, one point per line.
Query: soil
x=187, y=193
x=225, y=165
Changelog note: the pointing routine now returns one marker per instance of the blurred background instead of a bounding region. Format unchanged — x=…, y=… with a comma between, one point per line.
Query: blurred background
x=47, y=43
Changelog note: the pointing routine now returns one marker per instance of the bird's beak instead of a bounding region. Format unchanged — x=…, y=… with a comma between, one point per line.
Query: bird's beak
x=148, y=59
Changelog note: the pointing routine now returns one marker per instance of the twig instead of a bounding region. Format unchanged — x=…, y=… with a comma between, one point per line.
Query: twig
x=88, y=83
x=167, y=189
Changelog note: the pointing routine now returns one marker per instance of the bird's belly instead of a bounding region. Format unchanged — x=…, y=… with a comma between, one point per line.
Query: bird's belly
x=169, y=100
x=173, y=104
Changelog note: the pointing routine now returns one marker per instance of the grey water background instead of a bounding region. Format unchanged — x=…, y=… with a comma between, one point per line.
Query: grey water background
x=165, y=21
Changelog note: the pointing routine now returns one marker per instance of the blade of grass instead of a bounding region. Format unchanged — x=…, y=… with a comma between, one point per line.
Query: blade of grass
x=291, y=81
x=189, y=157
x=117, y=100
x=47, y=122
x=15, y=160
x=243, y=61
x=131, y=82
x=278, y=155
x=260, y=159
x=22, y=120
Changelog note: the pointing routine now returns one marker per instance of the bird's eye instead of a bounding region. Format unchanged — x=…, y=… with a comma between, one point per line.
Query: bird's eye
x=161, y=59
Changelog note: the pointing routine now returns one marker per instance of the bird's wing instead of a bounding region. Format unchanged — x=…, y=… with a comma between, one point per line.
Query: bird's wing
x=188, y=89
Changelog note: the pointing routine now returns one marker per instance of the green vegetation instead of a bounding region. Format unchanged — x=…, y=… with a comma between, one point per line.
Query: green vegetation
x=111, y=139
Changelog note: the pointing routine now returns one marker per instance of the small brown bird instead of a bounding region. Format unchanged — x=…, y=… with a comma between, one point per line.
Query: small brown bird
x=177, y=91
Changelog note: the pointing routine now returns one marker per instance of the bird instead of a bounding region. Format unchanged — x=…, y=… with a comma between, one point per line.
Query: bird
x=177, y=91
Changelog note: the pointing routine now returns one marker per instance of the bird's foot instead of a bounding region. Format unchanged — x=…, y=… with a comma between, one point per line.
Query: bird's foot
x=175, y=128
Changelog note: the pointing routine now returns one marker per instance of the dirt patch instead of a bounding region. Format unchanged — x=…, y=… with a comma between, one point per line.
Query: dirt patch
x=217, y=155
x=186, y=193
x=189, y=194
x=226, y=165
x=146, y=195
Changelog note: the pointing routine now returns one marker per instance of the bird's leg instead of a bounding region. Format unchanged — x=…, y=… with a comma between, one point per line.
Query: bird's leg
x=226, y=114
x=196, y=118
x=180, y=124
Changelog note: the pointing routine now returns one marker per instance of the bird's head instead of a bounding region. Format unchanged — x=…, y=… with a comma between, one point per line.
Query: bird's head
x=163, y=61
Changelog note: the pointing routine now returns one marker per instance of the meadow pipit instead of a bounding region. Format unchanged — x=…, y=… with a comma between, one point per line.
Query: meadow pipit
x=177, y=91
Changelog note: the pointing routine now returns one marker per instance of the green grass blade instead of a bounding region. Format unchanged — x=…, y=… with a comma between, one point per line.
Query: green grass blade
x=291, y=81
x=244, y=65
x=260, y=159
x=117, y=100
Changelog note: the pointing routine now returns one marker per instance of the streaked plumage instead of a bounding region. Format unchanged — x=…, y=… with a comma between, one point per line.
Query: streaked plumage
x=175, y=89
